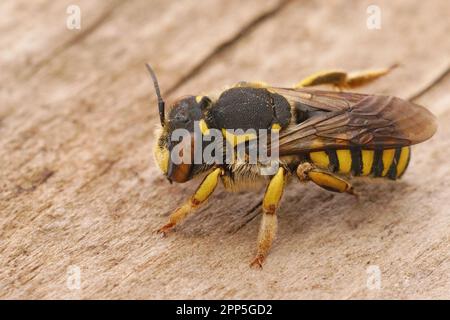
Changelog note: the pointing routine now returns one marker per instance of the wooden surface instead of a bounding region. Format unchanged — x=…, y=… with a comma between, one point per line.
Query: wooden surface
x=79, y=187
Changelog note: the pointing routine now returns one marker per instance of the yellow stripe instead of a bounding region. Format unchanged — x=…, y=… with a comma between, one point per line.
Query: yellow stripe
x=367, y=161
x=345, y=160
x=403, y=161
x=388, y=156
x=320, y=159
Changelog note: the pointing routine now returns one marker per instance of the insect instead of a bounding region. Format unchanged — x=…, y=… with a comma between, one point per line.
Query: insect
x=325, y=137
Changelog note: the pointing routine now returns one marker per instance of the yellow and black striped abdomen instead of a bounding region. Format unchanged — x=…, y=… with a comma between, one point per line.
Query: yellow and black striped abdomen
x=390, y=163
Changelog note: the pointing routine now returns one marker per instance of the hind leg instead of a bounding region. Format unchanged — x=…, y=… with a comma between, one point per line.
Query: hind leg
x=324, y=179
x=343, y=80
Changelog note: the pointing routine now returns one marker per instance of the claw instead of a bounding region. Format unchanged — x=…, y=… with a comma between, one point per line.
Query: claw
x=257, y=263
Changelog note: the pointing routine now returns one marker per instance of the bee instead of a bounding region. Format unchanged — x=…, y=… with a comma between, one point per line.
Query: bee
x=324, y=137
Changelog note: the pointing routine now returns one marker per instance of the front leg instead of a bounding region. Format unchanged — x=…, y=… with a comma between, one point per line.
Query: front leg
x=268, y=227
x=203, y=192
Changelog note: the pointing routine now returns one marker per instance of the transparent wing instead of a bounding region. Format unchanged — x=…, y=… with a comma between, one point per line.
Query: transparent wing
x=352, y=119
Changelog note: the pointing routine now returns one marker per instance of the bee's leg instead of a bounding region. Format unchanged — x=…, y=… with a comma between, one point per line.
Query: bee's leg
x=342, y=79
x=327, y=180
x=268, y=226
x=360, y=78
x=332, y=77
x=205, y=189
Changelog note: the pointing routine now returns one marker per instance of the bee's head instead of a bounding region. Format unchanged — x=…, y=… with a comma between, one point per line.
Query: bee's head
x=183, y=115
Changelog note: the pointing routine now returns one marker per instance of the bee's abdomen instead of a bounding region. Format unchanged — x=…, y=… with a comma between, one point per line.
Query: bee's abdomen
x=389, y=163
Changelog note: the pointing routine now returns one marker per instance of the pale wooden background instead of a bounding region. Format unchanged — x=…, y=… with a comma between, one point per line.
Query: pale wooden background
x=79, y=186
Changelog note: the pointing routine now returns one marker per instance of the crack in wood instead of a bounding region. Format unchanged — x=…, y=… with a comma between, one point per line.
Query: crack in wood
x=438, y=79
x=105, y=168
x=244, y=31
x=35, y=181
x=72, y=41
x=254, y=213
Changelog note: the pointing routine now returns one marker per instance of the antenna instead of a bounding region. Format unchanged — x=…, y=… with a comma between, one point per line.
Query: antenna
x=161, y=102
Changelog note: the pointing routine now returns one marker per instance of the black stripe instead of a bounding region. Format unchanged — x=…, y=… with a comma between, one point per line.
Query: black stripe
x=356, y=161
x=377, y=166
x=407, y=162
x=308, y=157
x=334, y=161
x=392, y=172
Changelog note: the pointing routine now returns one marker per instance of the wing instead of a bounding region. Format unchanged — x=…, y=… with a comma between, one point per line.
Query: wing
x=352, y=119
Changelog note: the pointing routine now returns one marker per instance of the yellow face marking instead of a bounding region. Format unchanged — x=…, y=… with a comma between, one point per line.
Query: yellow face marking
x=320, y=159
x=276, y=127
x=367, y=161
x=162, y=158
x=403, y=160
x=203, y=127
x=207, y=186
x=388, y=156
x=198, y=99
x=345, y=160
x=329, y=181
x=274, y=191
x=234, y=139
